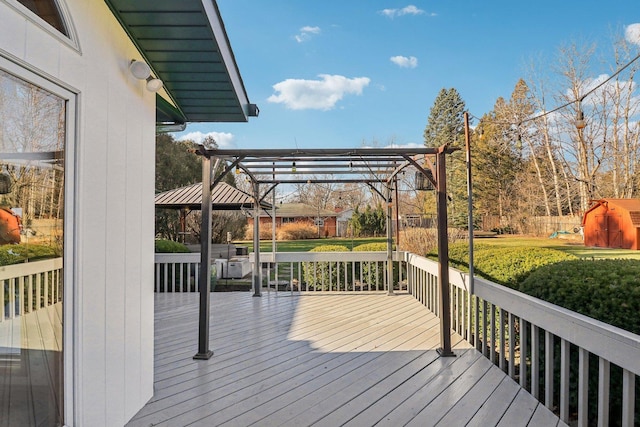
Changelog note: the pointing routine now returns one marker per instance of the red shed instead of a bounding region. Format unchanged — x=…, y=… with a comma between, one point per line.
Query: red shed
x=613, y=223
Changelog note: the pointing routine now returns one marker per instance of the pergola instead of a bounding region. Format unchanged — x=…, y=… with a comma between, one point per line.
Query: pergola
x=372, y=166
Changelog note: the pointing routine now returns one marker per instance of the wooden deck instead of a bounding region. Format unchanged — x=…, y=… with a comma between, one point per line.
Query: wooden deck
x=325, y=360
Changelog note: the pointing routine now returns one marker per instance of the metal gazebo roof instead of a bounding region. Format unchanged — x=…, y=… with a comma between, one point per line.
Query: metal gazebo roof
x=223, y=197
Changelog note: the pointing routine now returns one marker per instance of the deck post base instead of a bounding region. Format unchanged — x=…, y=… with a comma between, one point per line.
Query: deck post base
x=444, y=353
x=203, y=356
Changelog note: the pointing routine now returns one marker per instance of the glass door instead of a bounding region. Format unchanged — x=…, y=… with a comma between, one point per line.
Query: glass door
x=32, y=209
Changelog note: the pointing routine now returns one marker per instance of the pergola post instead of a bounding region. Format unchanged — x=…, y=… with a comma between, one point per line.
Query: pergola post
x=444, y=305
x=257, y=267
x=205, y=262
x=389, y=241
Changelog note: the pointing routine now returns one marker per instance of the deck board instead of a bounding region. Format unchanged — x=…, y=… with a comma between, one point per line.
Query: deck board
x=321, y=359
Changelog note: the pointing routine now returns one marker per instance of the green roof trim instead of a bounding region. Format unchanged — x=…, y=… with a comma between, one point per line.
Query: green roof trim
x=186, y=45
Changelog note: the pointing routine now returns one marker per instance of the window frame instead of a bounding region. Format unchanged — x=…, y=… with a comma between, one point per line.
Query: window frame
x=70, y=330
x=70, y=40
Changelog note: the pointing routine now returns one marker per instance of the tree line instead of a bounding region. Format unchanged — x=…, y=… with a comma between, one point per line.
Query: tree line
x=560, y=141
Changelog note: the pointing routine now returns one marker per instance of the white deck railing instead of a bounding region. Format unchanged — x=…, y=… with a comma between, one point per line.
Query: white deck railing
x=336, y=271
x=546, y=348
x=29, y=286
x=324, y=271
x=177, y=272
x=522, y=335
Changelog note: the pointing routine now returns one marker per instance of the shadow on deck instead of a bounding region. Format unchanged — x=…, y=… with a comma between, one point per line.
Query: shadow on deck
x=323, y=359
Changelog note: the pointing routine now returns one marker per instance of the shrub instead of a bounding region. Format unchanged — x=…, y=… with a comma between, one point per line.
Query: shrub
x=169, y=246
x=371, y=247
x=418, y=240
x=324, y=275
x=297, y=231
x=14, y=254
x=374, y=273
x=504, y=265
x=607, y=290
x=266, y=233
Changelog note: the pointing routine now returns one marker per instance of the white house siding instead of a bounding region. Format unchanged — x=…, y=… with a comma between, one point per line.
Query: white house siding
x=114, y=190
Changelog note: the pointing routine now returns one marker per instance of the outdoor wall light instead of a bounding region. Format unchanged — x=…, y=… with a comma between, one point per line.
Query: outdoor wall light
x=293, y=167
x=154, y=85
x=139, y=69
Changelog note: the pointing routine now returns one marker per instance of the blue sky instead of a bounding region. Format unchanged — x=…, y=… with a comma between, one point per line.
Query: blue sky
x=349, y=73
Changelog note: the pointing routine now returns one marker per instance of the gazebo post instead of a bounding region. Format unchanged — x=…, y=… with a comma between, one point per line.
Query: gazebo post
x=257, y=268
x=389, y=242
x=205, y=262
x=444, y=305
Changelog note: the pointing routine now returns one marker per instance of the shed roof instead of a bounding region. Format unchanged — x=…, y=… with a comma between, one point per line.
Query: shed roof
x=224, y=197
x=186, y=45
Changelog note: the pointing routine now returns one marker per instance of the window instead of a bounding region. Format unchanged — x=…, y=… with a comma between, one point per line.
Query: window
x=288, y=220
x=49, y=11
x=33, y=136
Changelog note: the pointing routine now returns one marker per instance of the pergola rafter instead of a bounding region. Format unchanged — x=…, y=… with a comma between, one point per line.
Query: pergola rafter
x=370, y=166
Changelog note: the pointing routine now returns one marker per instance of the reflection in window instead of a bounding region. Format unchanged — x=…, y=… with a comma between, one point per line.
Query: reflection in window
x=32, y=140
x=47, y=10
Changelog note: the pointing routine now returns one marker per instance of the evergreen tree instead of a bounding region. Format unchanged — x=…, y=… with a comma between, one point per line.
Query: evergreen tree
x=445, y=125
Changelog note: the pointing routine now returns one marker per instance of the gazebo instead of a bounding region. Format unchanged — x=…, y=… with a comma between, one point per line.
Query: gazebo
x=224, y=197
x=376, y=167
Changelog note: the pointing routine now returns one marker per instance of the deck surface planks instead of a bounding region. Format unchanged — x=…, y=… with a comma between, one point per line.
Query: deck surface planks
x=322, y=359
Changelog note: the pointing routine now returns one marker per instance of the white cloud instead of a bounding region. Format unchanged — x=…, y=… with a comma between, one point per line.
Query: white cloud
x=405, y=62
x=306, y=32
x=223, y=139
x=407, y=10
x=632, y=33
x=323, y=94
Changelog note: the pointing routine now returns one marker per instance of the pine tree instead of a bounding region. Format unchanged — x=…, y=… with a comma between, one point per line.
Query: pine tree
x=445, y=125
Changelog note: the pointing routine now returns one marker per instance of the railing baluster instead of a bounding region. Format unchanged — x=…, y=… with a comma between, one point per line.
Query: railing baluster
x=492, y=323
x=535, y=361
x=476, y=313
x=12, y=298
x=38, y=290
x=564, y=379
x=628, y=397
x=485, y=340
x=604, y=380
x=523, y=353
x=583, y=387
x=469, y=336
x=503, y=360
x=21, y=295
x=512, y=346
x=548, y=369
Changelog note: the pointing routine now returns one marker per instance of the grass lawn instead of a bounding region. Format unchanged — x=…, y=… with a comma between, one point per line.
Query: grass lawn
x=569, y=246
x=566, y=245
x=307, y=245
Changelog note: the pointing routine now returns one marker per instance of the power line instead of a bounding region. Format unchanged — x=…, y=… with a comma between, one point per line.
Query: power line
x=589, y=92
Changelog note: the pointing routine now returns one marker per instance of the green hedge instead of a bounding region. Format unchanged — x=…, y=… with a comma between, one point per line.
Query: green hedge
x=373, y=274
x=169, y=246
x=607, y=290
x=14, y=254
x=507, y=266
x=324, y=275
